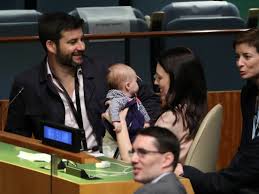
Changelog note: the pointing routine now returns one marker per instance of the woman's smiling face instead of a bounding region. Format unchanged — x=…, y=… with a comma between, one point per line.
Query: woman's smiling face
x=162, y=79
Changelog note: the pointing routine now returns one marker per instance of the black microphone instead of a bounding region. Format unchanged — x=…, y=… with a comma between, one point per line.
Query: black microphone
x=5, y=108
x=14, y=98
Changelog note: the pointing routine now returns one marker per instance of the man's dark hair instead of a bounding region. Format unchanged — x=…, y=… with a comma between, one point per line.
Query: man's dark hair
x=51, y=25
x=166, y=141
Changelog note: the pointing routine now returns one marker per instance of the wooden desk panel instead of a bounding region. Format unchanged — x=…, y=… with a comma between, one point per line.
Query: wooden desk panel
x=231, y=126
x=18, y=180
x=3, y=113
x=18, y=176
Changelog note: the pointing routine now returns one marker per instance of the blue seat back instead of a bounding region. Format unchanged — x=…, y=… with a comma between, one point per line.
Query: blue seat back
x=19, y=22
x=198, y=9
x=12, y=4
x=107, y=52
x=214, y=49
x=68, y=5
x=15, y=58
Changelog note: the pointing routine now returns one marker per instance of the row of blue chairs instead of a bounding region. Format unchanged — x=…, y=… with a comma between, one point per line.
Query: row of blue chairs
x=145, y=6
x=194, y=15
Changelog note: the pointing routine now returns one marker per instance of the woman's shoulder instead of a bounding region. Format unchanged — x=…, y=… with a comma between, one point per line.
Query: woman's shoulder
x=168, y=120
x=167, y=117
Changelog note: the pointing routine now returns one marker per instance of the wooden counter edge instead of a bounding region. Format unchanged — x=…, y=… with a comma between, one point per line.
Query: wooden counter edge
x=187, y=184
x=36, y=145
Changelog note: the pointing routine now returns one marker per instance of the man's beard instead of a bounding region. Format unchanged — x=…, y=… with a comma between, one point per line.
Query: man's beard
x=67, y=60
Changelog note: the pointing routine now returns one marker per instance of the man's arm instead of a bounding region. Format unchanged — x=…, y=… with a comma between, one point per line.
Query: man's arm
x=208, y=182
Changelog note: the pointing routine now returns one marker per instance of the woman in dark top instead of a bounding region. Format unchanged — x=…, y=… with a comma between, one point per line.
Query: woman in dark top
x=242, y=175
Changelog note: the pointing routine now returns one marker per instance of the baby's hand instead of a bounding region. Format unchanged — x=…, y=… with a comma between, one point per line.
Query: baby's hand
x=146, y=124
x=117, y=126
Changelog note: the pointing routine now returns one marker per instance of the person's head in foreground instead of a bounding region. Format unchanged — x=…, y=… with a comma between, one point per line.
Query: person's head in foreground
x=155, y=151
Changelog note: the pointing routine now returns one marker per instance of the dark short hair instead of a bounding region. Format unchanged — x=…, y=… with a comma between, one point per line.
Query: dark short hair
x=187, y=86
x=51, y=25
x=250, y=37
x=166, y=141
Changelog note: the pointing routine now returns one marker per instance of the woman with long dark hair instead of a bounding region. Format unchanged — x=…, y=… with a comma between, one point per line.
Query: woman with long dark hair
x=183, y=93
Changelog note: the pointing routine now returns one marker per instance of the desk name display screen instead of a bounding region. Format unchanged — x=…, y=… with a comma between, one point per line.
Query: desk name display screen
x=58, y=135
x=63, y=137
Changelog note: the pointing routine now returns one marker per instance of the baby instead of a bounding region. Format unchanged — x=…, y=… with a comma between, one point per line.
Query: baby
x=122, y=82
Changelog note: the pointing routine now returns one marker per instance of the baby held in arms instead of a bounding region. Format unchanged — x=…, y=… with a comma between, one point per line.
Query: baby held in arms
x=123, y=87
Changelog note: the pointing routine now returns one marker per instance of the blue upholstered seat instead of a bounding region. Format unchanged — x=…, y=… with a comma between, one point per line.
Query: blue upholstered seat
x=17, y=56
x=12, y=4
x=107, y=52
x=196, y=15
x=215, y=50
x=19, y=22
x=68, y=5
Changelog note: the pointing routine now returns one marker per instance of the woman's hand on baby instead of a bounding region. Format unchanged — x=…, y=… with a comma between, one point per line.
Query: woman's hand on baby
x=117, y=126
x=122, y=122
x=123, y=114
x=106, y=116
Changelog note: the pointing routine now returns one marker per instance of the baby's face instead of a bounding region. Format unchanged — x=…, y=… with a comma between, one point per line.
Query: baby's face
x=133, y=85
